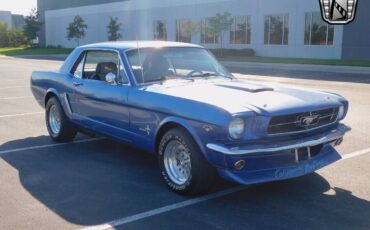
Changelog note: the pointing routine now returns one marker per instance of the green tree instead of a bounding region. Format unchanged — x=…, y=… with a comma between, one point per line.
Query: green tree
x=218, y=25
x=16, y=38
x=188, y=29
x=76, y=29
x=4, y=40
x=32, y=25
x=11, y=37
x=113, y=29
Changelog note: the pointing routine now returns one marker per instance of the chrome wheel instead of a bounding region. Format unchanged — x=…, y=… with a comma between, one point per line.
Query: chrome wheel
x=177, y=162
x=54, y=119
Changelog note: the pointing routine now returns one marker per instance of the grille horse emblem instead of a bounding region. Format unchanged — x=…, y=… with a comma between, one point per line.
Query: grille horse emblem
x=306, y=121
x=338, y=11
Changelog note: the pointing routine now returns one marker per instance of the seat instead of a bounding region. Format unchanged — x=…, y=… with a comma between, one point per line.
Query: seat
x=155, y=68
x=102, y=69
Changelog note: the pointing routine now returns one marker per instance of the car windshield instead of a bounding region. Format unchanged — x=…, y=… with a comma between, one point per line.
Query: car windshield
x=159, y=64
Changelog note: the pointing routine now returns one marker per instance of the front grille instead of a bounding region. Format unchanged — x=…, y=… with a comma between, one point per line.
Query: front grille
x=300, y=122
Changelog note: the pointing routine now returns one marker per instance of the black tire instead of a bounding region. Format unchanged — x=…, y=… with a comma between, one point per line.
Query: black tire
x=202, y=173
x=67, y=131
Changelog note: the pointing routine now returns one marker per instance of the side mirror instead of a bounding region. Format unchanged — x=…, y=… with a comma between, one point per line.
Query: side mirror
x=110, y=78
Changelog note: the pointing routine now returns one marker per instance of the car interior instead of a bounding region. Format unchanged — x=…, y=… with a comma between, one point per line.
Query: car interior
x=102, y=69
x=96, y=66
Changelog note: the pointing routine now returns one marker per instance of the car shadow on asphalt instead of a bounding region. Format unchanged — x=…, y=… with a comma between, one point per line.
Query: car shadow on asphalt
x=95, y=182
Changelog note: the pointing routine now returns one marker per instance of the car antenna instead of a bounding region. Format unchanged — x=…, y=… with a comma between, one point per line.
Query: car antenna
x=141, y=63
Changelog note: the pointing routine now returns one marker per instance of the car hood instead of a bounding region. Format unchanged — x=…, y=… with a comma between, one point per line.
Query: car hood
x=237, y=96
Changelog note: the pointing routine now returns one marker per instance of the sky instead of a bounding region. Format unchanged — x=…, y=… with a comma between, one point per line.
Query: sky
x=18, y=6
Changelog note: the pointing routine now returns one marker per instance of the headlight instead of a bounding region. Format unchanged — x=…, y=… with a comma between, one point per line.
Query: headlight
x=236, y=128
x=340, y=113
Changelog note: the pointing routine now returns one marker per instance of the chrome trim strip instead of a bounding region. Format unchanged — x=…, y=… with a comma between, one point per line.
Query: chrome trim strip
x=326, y=138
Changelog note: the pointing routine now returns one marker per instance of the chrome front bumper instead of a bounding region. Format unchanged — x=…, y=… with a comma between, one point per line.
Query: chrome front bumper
x=331, y=136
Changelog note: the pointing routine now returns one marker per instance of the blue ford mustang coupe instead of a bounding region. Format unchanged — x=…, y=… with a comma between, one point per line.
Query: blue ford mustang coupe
x=175, y=100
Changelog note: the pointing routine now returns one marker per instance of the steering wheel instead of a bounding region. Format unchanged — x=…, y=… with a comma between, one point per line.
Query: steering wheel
x=193, y=72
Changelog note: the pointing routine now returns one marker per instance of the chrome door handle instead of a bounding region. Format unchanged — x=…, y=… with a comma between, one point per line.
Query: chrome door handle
x=76, y=84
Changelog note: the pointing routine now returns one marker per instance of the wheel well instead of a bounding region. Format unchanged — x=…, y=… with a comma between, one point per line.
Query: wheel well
x=164, y=128
x=48, y=96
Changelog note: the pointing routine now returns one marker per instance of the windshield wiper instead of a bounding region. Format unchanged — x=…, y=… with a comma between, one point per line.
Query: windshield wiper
x=205, y=75
x=166, y=78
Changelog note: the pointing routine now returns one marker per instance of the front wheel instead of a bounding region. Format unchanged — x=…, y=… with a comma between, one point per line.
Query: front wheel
x=59, y=127
x=183, y=166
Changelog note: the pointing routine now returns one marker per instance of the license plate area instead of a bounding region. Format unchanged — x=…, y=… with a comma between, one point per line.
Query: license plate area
x=305, y=153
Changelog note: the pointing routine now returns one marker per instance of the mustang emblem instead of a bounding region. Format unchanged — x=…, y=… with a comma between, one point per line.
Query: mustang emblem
x=146, y=129
x=309, y=120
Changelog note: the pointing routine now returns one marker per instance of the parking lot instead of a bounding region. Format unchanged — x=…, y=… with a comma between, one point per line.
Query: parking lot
x=102, y=184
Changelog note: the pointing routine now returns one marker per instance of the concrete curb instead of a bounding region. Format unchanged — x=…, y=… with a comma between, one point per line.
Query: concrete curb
x=230, y=64
x=301, y=67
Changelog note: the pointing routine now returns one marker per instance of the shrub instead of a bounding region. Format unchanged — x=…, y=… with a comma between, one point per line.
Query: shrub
x=11, y=37
x=233, y=52
x=16, y=38
x=4, y=39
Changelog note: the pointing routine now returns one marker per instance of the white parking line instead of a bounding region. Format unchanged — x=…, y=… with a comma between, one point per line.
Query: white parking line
x=157, y=211
x=20, y=114
x=14, y=79
x=48, y=146
x=355, y=154
x=15, y=98
x=166, y=209
x=16, y=86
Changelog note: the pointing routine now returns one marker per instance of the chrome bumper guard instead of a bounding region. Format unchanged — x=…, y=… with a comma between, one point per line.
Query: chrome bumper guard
x=331, y=136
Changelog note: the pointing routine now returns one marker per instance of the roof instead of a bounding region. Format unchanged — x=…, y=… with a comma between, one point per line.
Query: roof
x=124, y=45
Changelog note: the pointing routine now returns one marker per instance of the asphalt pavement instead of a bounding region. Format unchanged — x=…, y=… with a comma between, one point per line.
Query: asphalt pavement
x=103, y=184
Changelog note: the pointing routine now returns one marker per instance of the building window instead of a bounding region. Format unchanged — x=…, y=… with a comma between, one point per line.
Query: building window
x=240, y=31
x=317, y=32
x=207, y=36
x=184, y=30
x=276, y=30
x=160, y=30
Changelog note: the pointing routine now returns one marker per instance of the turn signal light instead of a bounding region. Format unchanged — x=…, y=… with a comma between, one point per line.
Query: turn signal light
x=239, y=164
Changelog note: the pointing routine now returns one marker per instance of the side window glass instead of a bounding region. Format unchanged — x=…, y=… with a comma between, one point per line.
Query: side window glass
x=123, y=74
x=99, y=63
x=79, y=69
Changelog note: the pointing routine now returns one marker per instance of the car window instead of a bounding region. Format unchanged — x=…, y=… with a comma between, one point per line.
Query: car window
x=99, y=63
x=150, y=65
x=95, y=65
x=79, y=69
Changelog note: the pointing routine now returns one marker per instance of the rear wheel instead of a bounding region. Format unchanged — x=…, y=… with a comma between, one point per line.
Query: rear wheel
x=183, y=166
x=59, y=127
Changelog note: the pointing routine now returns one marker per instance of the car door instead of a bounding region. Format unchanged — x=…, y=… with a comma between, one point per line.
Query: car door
x=99, y=105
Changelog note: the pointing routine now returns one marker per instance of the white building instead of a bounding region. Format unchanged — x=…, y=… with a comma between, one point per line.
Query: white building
x=11, y=20
x=6, y=17
x=284, y=28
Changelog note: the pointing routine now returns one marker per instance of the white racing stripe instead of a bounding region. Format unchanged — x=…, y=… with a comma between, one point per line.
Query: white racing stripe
x=20, y=114
x=157, y=211
x=49, y=145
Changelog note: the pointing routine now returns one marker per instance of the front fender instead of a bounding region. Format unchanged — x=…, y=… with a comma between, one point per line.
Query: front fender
x=187, y=125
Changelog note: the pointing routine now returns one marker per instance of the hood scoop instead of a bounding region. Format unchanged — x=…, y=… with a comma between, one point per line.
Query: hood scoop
x=246, y=87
